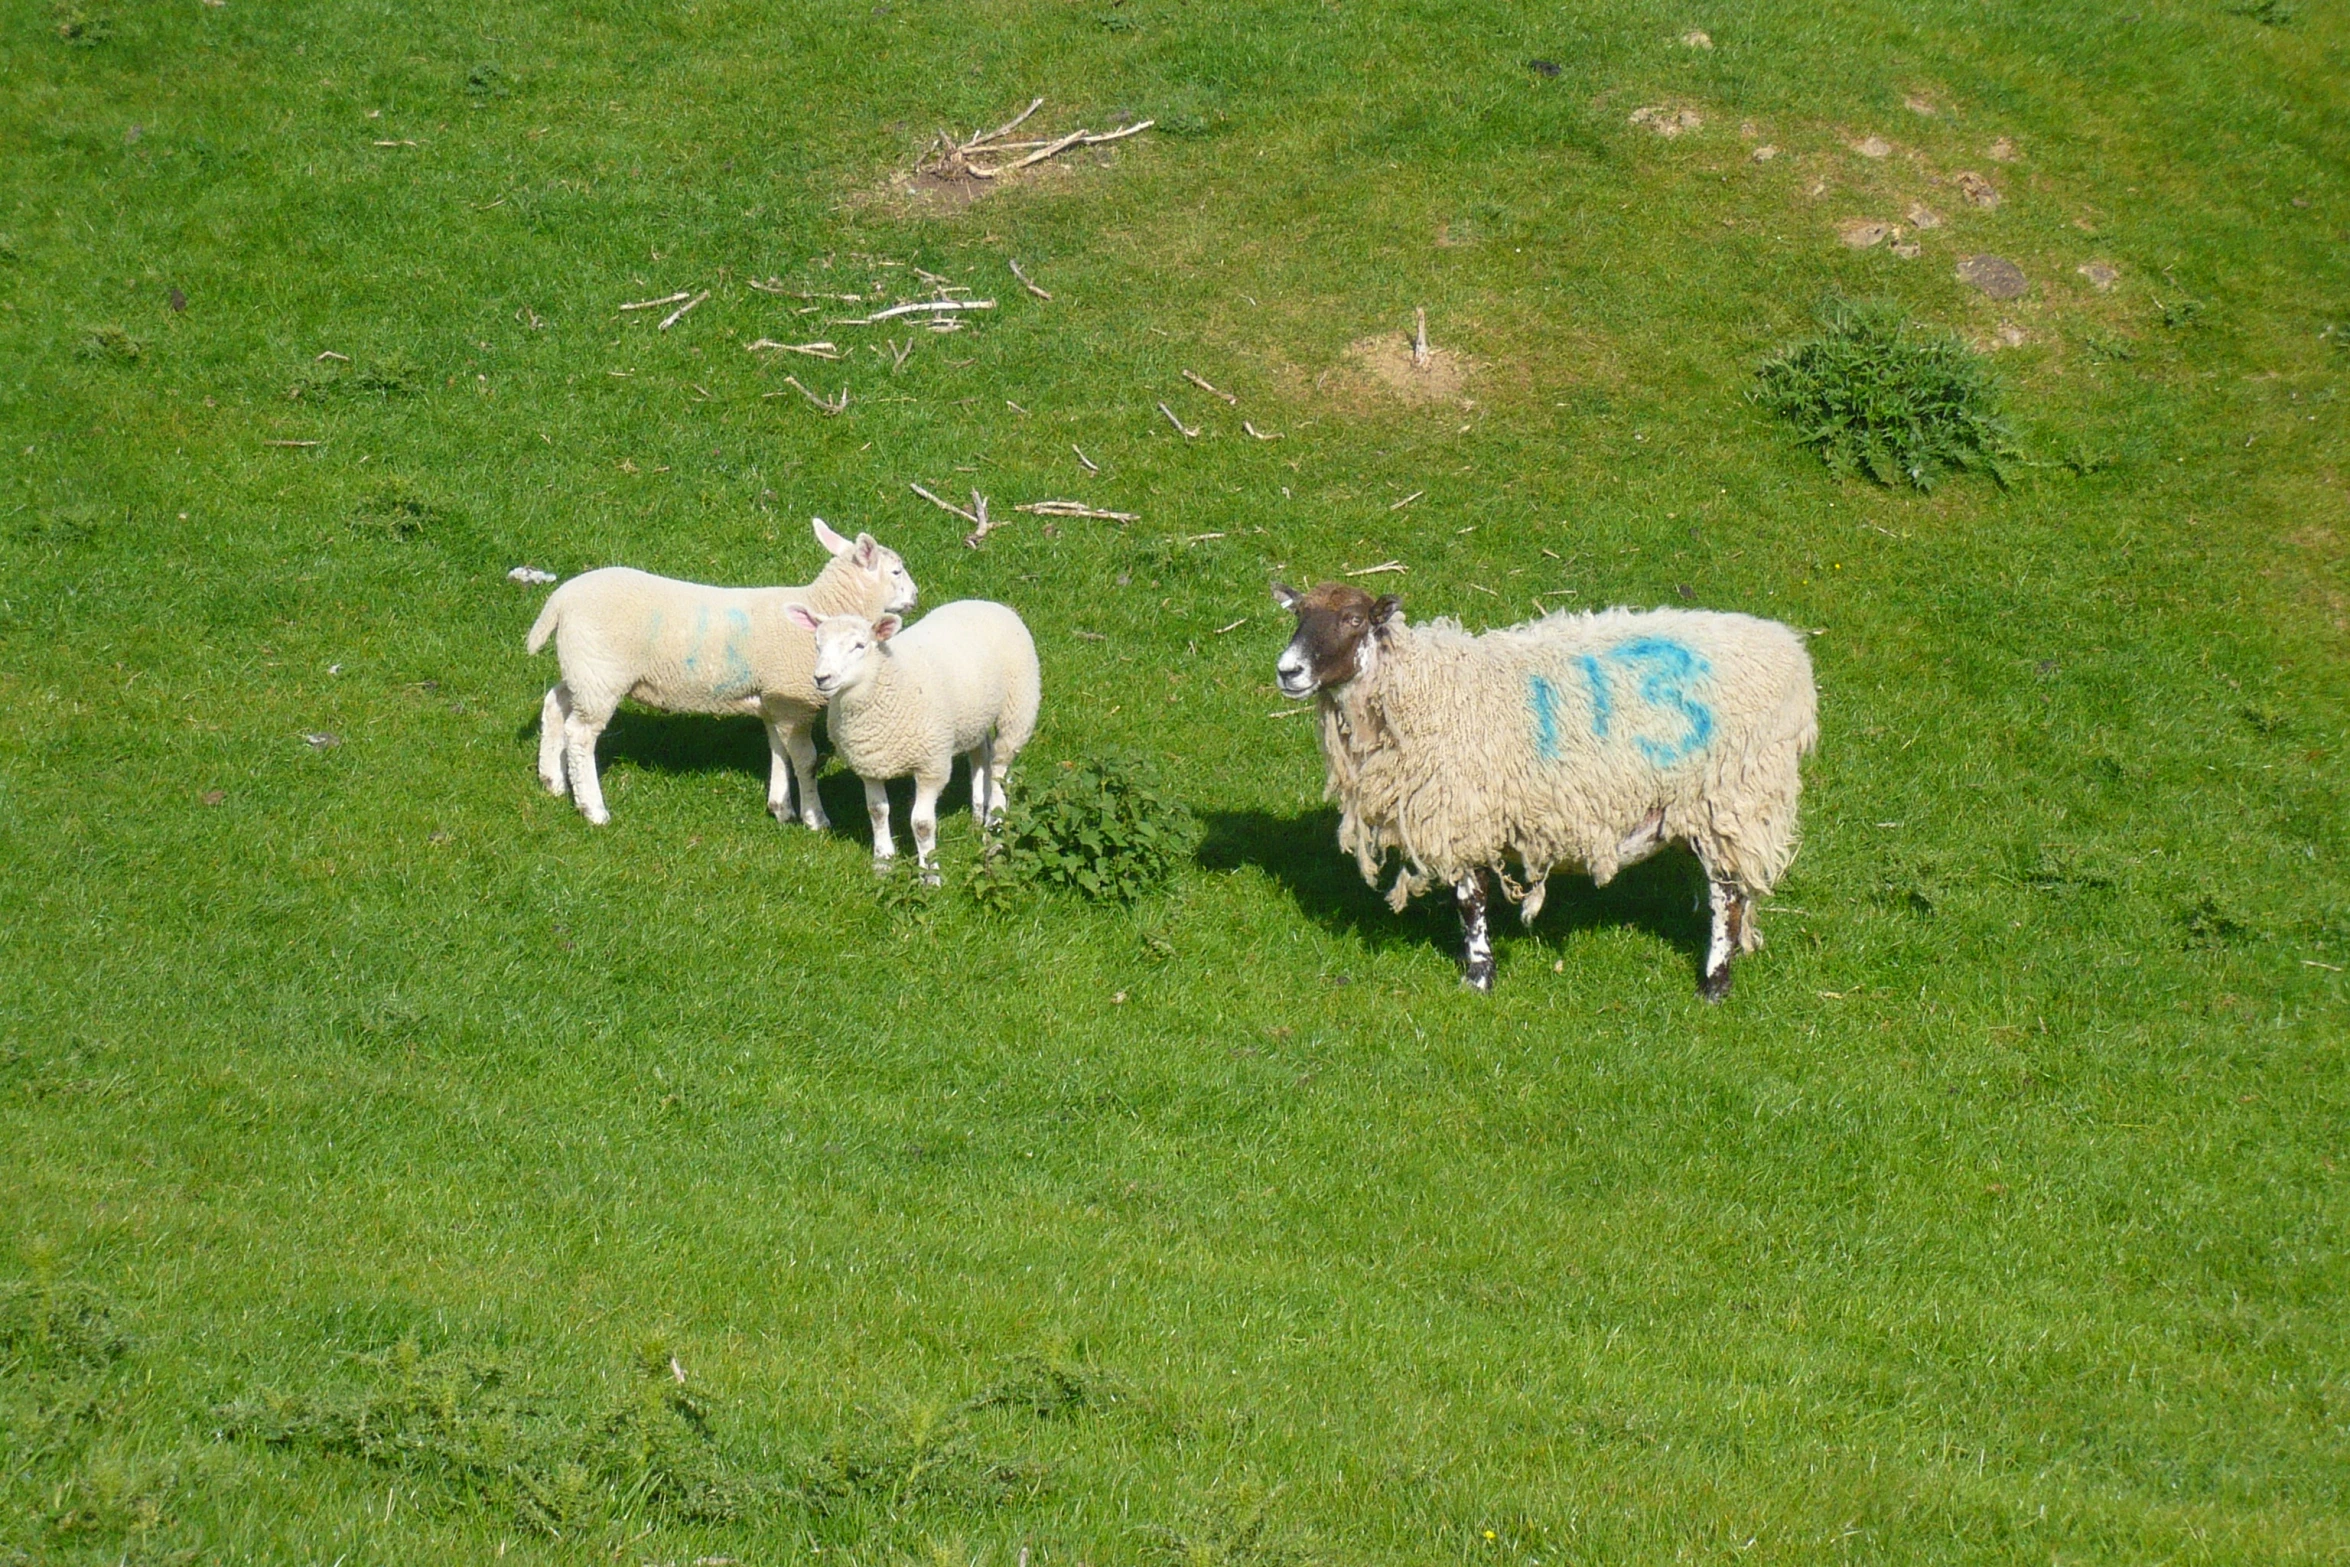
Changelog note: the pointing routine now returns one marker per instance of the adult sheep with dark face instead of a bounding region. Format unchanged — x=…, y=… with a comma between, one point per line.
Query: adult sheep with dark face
x=1577, y=741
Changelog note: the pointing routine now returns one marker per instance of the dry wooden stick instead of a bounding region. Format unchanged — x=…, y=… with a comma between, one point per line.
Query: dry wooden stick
x=1005, y=129
x=773, y=285
x=1074, y=509
x=1385, y=565
x=1235, y=626
x=1026, y=284
x=944, y=505
x=1187, y=430
x=812, y=350
x=655, y=304
x=894, y=311
x=978, y=511
x=826, y=406
x=1259, y=434
x=293, y=443
x=341, y=359
x=1407, y=500
x=678, y=314
x=1048, y=150
x=1141, y=125
x=1420, y=338
x=1210, y=390
x=898, y=360
x=1081, y=457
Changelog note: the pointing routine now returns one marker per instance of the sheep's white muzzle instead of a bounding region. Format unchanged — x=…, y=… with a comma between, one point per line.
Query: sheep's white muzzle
x=1294, y=675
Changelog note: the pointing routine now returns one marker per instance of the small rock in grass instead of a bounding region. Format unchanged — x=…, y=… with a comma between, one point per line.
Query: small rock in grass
x=2102, y=275
x=1977, y=190
x=1872, y=147
x=2002, y=151
x=1765, y=153
x=1543, y=67
x=1994, y=275
x=1697, y=38
x=1922, y=216
x=530, y=576
x=1861, y=233
x=1909, y=251
x=322, y=741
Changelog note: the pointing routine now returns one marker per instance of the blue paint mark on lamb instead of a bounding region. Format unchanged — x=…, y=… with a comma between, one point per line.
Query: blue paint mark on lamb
x=1670, y=669
x=1543, y=698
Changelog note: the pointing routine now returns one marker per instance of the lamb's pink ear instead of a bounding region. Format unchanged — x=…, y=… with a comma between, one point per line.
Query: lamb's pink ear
x=803, y=618
x=826, y=537
x=886, y=627
x=1286, y=596
x=867, y=550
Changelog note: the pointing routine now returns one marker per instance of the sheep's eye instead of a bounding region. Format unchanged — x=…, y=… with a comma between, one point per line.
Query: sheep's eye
x=1354, y=620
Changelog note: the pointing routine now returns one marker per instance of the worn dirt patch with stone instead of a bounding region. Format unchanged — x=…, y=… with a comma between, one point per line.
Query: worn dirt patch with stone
x=1384, y=362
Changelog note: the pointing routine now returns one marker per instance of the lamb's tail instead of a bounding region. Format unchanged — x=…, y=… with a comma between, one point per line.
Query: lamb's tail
x=549, y=618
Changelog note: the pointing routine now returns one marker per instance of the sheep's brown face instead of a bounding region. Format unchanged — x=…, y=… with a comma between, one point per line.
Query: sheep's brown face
x=1337, y=636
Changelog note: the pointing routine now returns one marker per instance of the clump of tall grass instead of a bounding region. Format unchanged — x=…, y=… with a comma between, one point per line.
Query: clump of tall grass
x=1877, y=395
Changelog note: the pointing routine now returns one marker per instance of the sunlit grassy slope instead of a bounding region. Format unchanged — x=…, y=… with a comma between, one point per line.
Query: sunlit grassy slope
x=399, y=1169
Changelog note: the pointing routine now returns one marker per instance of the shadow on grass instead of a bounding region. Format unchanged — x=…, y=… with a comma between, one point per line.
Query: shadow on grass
x=1301, y=853
x=658, y=742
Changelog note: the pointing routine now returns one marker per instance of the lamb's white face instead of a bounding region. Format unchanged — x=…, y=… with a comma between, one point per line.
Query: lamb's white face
x=845, y=648
x=894, y=577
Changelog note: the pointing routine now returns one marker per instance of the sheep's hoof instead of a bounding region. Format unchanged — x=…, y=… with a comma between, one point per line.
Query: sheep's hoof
x=598, y=818
x=883, y=864
x=554, y=786
x=930, y=877
x=781, y=810
x=1478, y=979
x=816, y=822
x=1715, y=986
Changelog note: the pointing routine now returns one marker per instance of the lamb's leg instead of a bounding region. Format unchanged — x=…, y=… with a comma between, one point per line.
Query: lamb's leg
x=982, y=763
x=926, y=793
x=1476, y=943
x=799, y=739
x=1733, y=915
x=877, y=812
x=553, y=712
x=999, y=769
x=778, y=769
x=579, y=759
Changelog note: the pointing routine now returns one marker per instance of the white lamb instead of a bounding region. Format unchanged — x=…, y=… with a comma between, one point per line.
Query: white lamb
x=961, y=681
x=695, y=649
x=1579, y=740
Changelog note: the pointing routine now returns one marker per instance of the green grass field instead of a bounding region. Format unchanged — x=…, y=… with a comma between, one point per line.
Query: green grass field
x=384, y=1144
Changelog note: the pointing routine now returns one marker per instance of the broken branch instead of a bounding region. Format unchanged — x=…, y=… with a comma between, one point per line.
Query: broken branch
x=1407, y=500
x=1026, y=284
x=944, y=505
x=1074, y=509
x=1081, y=457
x=1210, y=390
x=678, y=314
x=1373, y=571
x=655, y=304
x=894, y=311
x=979, y=512
x=1188, y=431
x=1259, y=434
x=1140, y=125
x=826, y=406
x=1419, y=338
x=812, y=350
x=1005, y=129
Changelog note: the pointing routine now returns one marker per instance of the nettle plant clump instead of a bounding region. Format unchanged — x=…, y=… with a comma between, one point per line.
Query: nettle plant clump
x=1102, y=826
x=1873, y=394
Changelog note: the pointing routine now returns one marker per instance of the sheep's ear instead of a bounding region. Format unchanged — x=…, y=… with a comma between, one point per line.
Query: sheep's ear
x=868, y=550
x=886, y=627
x=826, y=537
x=803, y=617
x=1286, y=596
x=1384, y=608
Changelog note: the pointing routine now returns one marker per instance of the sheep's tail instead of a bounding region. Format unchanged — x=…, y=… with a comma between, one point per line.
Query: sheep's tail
x=549, y=618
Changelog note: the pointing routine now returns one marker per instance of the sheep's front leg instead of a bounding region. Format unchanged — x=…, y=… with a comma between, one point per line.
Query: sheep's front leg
x=877, y=812
x=926, y=793
x=579, y=759
x=1476, y=942
x=554, y=712
x=1733, y=933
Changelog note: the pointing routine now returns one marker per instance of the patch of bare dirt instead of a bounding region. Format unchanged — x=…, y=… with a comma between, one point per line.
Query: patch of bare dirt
x=1862, y=233
x=1872, y=147
x=2002, y=151
x=1384, y=361
x=1994, y=275
x=1977, y=190
x=2102, y=275
x=1668, y=120
x=1922, y=216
